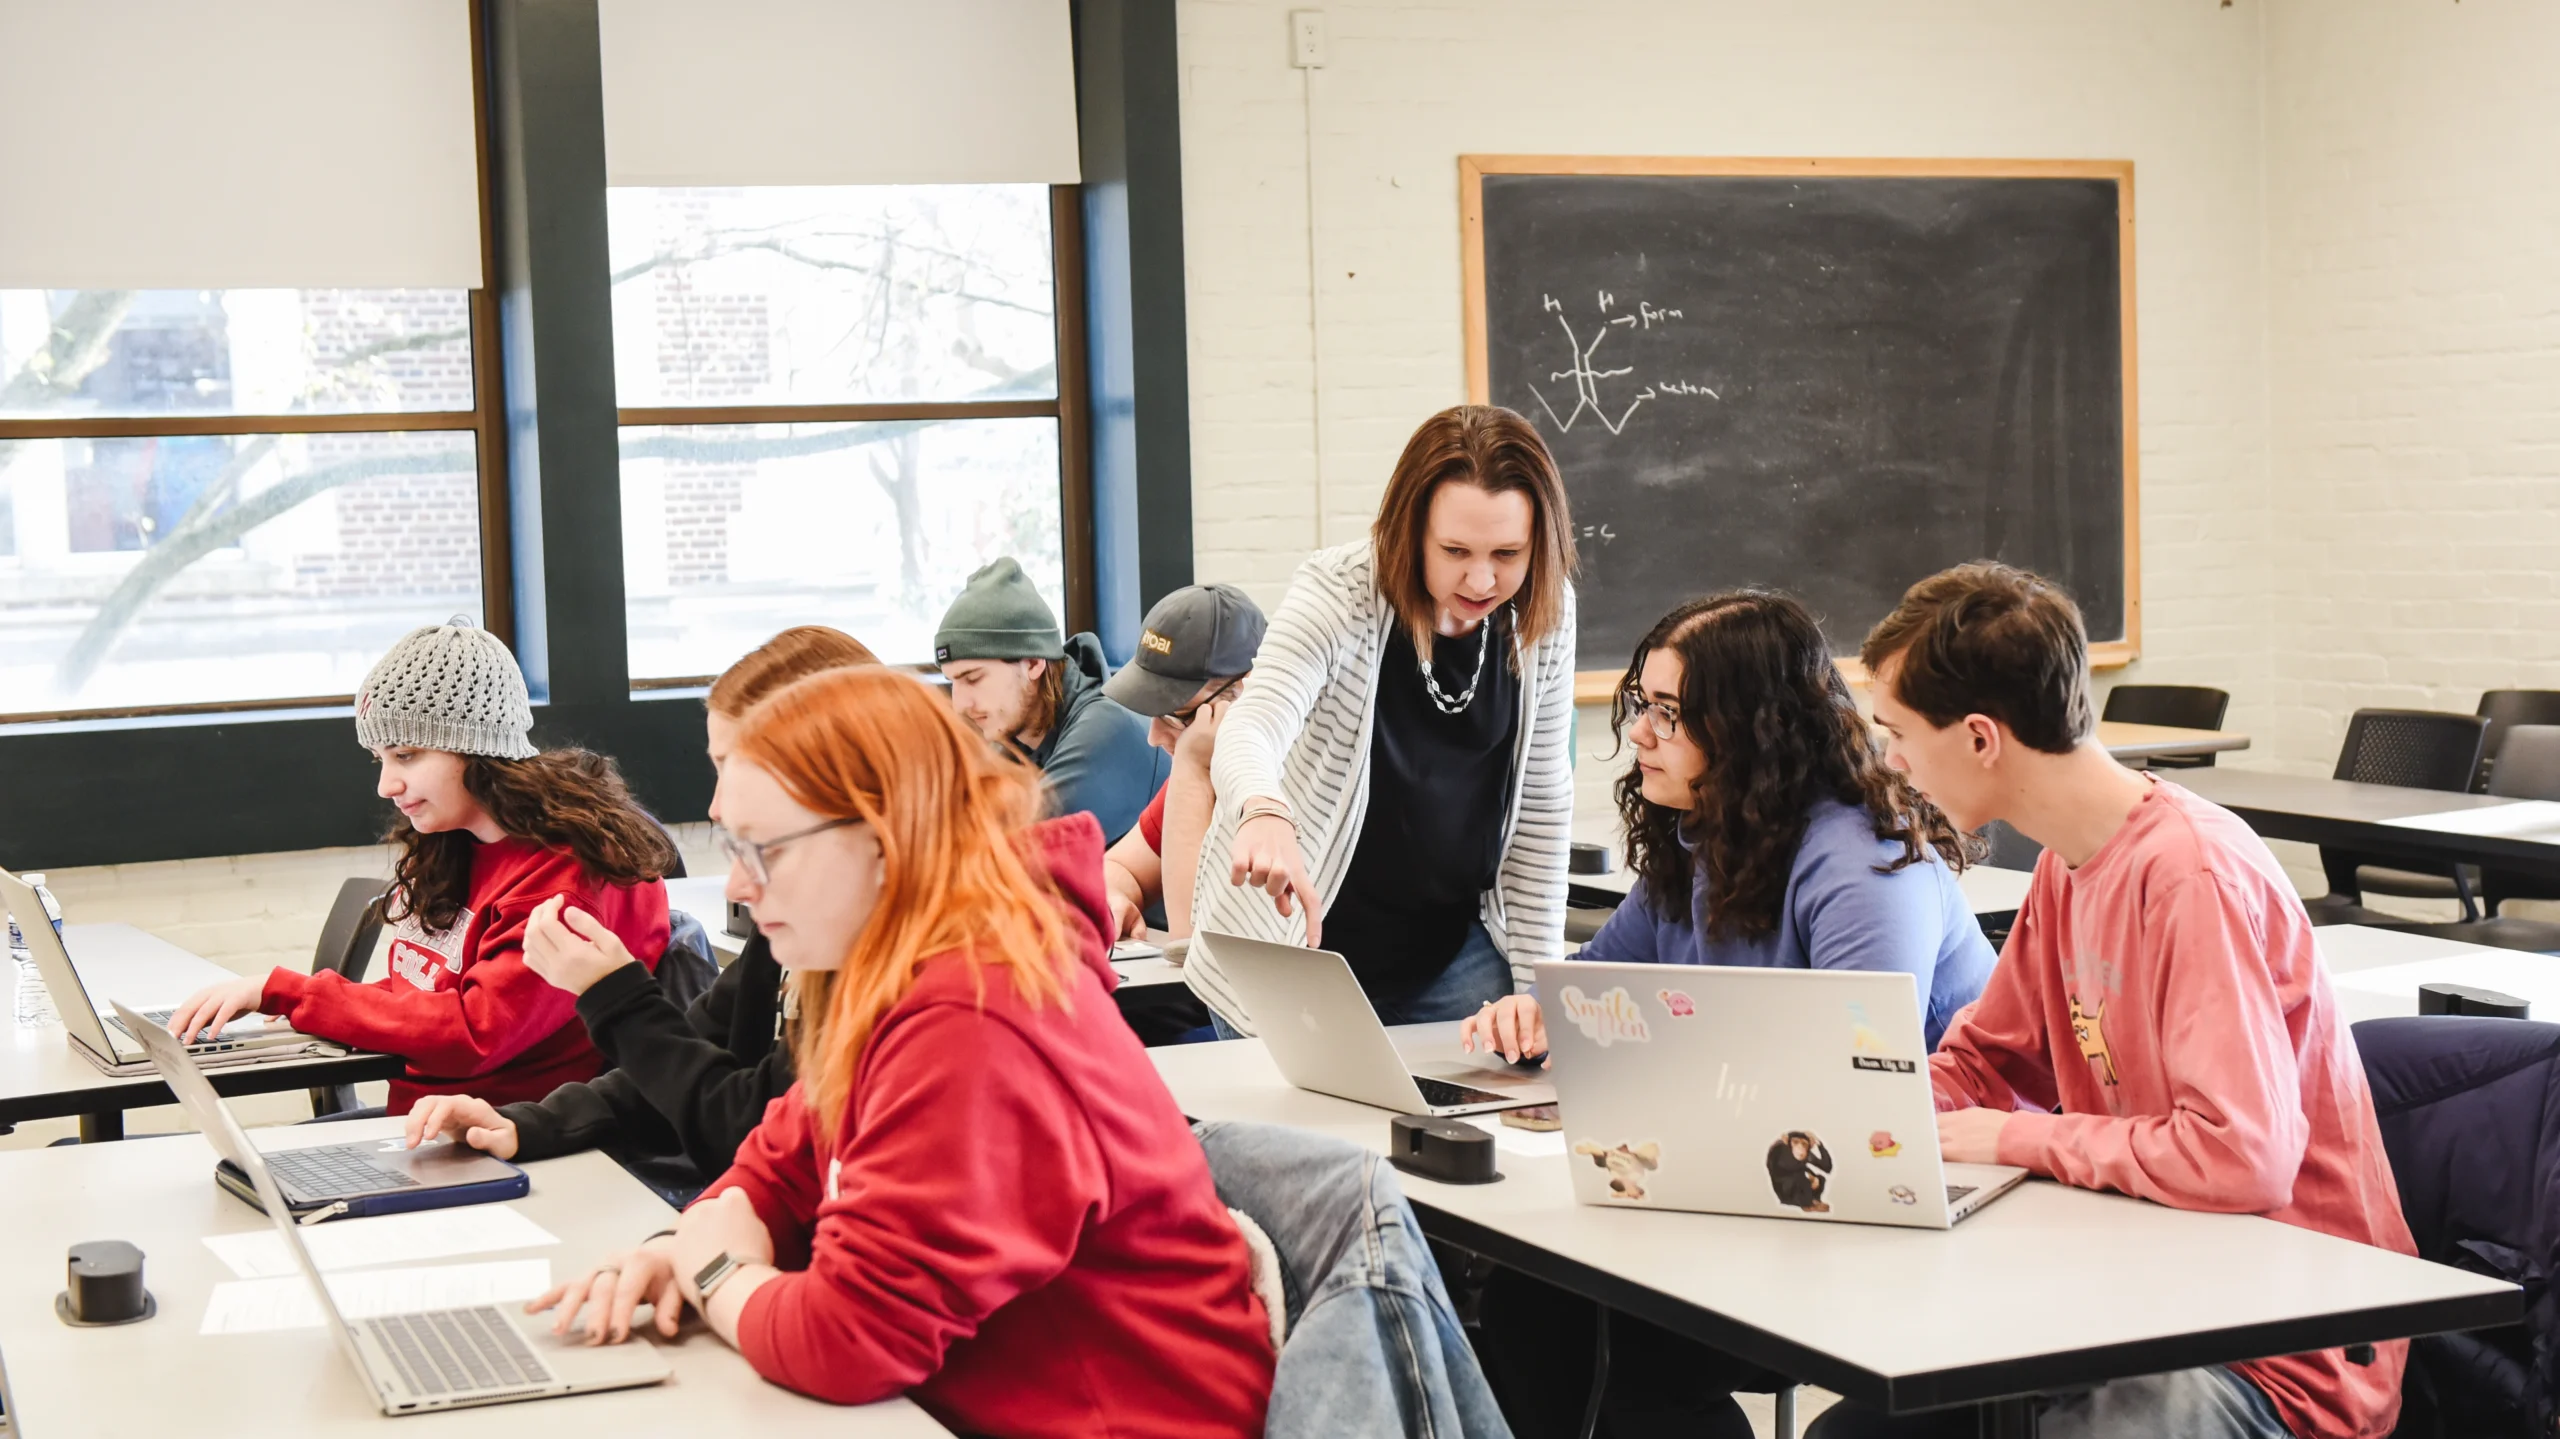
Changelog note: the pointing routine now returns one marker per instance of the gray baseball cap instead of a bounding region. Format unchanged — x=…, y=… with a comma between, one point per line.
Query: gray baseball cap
x=1192, y=636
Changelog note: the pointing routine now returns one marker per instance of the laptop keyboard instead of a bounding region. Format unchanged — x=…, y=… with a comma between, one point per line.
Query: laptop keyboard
x=1958, y=1192
x=328, y=1173
x=458, y=1351
x=1440, y=1093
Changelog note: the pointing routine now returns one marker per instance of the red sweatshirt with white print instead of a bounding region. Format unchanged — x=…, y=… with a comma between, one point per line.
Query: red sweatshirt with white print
x=2166, y=995
x=461, y=1006
x=1013, y=1224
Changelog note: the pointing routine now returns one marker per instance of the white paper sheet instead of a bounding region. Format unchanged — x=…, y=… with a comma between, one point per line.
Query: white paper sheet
x=2524, y=819
x=389, y=1239
x=1529, y=1143
x=254, y=1306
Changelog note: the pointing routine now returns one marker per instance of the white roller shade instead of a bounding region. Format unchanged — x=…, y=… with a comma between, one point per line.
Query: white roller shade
x=178, y=144
x=838, y=92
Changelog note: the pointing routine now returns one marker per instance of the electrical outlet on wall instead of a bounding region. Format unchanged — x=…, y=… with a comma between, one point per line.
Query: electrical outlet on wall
x=1306, y=39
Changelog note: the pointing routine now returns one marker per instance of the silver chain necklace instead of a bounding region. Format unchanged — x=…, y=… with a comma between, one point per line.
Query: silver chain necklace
x=1431, y=686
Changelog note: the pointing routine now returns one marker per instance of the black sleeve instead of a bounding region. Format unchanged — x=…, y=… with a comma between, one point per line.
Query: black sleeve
x=607, y=1109
x=708, y=1094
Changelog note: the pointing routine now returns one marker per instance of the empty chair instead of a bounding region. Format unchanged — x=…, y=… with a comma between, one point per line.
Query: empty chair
x=2504, y=710
x=2415, y=749
x=2528, y=768
x=2176, y=706
x=2469, y=1111
x=347, y=938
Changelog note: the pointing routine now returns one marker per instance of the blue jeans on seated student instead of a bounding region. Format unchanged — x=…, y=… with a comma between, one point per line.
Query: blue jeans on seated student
x=1476, y=975
x=2190, y=1403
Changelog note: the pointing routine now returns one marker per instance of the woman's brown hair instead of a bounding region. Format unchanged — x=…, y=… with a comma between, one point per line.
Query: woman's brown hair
x=570, y=799
x=1497, y=451
x=795, y=654
x=1762, y=701
x=874, y=745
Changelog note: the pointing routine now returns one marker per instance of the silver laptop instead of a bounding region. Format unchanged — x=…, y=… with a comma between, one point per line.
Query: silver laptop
x=1793, y=1093
x=430, y=1359
x=103, y=1040
x=1322, y=1031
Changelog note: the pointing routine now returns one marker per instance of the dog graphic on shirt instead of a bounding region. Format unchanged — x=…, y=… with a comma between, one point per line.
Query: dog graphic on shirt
x=2088, y=1026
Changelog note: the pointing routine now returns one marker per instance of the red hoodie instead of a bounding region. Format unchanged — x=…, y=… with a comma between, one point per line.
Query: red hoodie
x=462, y=1006
x=2167, y=996
x=1015, y=1224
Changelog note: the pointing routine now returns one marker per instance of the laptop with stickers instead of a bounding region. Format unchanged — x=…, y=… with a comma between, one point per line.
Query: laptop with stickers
x=1791, y=1093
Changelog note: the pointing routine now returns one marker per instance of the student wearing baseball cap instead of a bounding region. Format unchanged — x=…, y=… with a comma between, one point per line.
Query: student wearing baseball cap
x=1193, y=654
x=1027, y=689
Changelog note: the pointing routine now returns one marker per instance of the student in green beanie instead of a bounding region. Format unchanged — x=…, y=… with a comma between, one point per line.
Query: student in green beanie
x=1020, y=685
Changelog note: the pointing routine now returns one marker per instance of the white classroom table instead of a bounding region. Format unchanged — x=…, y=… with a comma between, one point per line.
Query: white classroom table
x=161, y=1377
x=43, y=1077
x=700, y=896
x=2376, y=972
x=1900, y=1318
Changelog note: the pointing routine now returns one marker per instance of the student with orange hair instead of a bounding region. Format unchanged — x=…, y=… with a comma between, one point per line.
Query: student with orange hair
x=688, y=1084
x=979, y=1192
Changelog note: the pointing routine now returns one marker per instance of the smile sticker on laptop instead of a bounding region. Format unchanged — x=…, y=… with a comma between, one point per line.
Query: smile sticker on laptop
x=1901, y=1194
x=1883, y=1145
x=1606, y=1020
x=1679, y=1003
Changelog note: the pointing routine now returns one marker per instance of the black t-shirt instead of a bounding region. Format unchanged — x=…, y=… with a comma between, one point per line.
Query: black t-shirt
x=1431, y=843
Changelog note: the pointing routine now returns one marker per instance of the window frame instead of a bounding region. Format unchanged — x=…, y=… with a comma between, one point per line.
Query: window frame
x=485, y=420
x=1068, y=407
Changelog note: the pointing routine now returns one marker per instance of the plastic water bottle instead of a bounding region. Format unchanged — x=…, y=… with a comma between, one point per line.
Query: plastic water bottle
x=34, y=1005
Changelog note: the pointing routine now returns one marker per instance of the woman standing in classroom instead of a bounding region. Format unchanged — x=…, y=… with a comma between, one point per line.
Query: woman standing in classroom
x=1400, y=775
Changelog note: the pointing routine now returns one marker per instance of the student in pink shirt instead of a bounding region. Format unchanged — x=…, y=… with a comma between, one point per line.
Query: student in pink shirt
x=2159, y=1024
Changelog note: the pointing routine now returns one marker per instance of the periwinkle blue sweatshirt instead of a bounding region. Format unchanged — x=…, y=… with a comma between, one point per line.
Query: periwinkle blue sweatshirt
x=1839, y=913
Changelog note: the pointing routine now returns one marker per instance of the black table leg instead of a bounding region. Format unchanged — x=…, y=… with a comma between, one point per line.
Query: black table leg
x=101, y=1127
x=2010, y=1418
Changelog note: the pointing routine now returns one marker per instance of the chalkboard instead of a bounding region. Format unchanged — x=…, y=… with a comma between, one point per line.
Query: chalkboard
x=1832, y=377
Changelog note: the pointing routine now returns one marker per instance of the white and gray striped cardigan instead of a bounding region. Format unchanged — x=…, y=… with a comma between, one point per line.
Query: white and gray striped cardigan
x=1301, y=732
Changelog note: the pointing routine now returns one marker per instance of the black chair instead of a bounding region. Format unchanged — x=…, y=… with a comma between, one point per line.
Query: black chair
x=346, y=946
x=2415, y=749
x=2528, y=768
x=2504, y=710
x=2177, y=706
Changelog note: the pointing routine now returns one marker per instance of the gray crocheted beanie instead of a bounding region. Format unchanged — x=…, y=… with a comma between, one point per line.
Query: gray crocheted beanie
x=451, y=687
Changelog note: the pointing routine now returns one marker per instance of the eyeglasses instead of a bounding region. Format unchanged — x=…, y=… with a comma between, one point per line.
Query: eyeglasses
x=1664, y=715
x=758, y=857
x=1182, y=718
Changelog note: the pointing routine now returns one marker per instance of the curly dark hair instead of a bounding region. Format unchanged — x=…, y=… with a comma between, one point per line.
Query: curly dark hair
x=570, y=799
x=1761, y=698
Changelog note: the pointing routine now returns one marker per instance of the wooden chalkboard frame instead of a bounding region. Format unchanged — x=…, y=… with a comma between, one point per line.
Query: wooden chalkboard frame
x=1594, y=686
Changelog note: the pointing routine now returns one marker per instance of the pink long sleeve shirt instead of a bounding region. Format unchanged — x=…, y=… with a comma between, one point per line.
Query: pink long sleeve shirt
x=2167, y=997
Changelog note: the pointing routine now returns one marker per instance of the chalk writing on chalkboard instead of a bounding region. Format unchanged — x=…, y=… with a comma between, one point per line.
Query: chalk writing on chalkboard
x=1587, y=377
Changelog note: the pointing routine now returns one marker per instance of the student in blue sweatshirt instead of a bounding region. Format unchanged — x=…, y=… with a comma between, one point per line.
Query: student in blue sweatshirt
x=1763, y=826
x=1764, y=830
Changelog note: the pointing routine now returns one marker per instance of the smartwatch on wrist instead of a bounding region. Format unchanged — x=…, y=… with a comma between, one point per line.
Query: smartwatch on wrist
x=714, y=1274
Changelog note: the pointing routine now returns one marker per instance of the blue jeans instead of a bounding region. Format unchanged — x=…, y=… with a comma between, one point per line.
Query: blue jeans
x=2190, y=1403
x=1476, y=974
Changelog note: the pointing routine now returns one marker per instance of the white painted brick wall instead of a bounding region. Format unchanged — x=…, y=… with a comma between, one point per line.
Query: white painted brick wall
x=2414, y=359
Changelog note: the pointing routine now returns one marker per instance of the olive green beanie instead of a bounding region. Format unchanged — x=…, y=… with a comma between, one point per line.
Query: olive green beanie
x=999, y=616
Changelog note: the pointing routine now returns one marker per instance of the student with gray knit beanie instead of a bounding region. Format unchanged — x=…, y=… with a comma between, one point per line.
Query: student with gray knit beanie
x=502, y=845
x=1023, y=687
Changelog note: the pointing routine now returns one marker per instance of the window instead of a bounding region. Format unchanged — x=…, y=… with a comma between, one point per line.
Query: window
x=226, y=498
x=837, y=402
